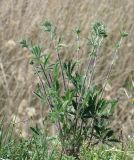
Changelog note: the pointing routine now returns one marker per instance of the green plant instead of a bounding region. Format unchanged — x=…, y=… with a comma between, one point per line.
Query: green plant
x=36, y=147
x=80, y=112
x=41, y=147
x=106, y=153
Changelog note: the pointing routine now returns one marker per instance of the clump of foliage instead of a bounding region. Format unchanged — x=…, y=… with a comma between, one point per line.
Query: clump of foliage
x=41, y=147
x=80, y=112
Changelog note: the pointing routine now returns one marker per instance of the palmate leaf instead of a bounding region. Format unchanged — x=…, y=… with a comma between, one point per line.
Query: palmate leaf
x=104, y=134
x=74, y=78
x=123, y=34
x=36, y=50
x=100, y=126
x=90, y=109
x=109, y=136
x=46, y=26
x=105, y=107
x=99, y=29
x=24, y=43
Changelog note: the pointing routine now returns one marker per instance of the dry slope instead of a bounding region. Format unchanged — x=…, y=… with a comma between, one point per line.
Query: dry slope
x=21, y=18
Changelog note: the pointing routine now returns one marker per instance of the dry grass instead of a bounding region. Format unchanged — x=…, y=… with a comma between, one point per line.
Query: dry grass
x=22, y=19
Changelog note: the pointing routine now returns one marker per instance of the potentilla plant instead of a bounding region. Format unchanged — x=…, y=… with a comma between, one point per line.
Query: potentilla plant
x=80, y=112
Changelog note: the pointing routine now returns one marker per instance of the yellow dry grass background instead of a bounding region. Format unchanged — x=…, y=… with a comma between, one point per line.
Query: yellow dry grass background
x=22, y=18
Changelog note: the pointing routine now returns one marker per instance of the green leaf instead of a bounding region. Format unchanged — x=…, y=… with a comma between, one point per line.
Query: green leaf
x=24, y=43
x=72, y=113
x=109, y=134
x=57, y=85
x=123, y=34
x=38, y=95
x=74, y=104
x=45, y=60
x=35, y=130
x=99, y=29
x=46, y=26
x=77, y=30
x=36, y=50
x=117, y=45
x=97, y=129
x=56, y=71
x=65, y=104
x=69, y=68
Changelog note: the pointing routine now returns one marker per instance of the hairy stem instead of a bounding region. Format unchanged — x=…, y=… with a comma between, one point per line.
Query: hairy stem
x=111, y=65
x=62, y=72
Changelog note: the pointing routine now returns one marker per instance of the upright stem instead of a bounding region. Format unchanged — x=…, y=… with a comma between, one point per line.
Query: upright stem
x=48, y=100
x=92, y=130
x=86, y=75
x=78, y=48
x=63, y=77
x=94, y=50
x=94, y=64
x=61, y=66
x=45, y=76
x=111, y=66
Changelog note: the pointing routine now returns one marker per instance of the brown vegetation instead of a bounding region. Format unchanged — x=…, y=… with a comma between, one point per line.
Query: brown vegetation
x=22, y=18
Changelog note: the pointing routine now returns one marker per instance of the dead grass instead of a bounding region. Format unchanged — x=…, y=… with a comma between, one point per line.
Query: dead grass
x=22, y=19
